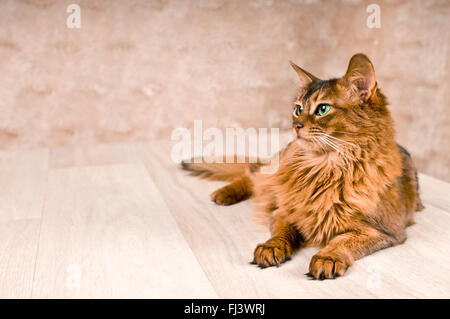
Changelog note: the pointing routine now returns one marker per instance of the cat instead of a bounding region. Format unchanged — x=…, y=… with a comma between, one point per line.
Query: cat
x=343, y=184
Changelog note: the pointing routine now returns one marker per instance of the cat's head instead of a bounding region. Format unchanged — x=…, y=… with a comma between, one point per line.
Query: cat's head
x=340, y=114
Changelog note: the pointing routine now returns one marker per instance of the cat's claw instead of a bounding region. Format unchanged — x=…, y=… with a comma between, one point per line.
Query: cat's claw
x=327, y=266
x=272, y=253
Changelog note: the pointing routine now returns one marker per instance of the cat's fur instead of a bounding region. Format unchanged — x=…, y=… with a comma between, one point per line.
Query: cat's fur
x=350, y=194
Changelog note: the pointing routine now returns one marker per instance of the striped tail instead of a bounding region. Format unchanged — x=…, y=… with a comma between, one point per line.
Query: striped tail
x=220, y=171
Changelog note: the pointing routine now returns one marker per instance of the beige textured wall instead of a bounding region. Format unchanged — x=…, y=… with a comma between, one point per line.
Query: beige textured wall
x=137, y=69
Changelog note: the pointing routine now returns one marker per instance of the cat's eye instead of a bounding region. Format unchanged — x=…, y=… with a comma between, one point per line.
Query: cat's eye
x=298, y=110
x=322, y=109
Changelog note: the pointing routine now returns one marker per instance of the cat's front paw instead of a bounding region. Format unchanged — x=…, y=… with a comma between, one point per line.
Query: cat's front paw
x=328, y=265
x=272, y=253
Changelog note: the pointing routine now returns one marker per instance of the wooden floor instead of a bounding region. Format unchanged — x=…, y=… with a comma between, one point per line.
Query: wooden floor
x=111, y=221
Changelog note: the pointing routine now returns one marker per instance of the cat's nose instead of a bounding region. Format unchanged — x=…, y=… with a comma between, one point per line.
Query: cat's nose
x=298, y=125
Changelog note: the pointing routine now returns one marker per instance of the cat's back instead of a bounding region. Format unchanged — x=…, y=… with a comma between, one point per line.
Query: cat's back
x=409, y=182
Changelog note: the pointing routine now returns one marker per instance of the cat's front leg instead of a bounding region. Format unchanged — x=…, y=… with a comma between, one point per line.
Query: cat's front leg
x=333, y=260
x=285, y=239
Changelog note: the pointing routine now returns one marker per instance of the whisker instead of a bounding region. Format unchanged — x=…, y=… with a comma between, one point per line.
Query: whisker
x=331, y=142
x=339, y=147
x=334, y=146
x=324, y=140
x=338, y=139
x=328, y=142
x=319, y=143
x=322, y=144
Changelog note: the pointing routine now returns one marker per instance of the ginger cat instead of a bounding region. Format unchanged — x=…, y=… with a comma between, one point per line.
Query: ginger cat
x=343, y=184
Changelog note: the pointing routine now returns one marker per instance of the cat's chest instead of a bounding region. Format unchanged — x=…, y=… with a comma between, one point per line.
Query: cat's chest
x=314, y=186
x=321, y=218
x=315, y=202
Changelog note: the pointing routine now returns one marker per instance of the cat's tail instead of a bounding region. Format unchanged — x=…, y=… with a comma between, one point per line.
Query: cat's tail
x=220, y=171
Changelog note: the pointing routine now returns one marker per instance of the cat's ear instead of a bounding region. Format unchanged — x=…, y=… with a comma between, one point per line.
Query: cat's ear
x=305, y=78
x=360, y=77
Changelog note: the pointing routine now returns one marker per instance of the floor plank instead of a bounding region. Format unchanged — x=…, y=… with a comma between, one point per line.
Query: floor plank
x=18, y=246
x=435, y=192
x=22, y=184
x=420, y=265
x=92, y=155
x=223, y=239
x=107, y=233
x=22, y=192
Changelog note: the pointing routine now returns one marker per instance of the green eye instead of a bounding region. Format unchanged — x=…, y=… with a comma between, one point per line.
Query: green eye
x=322, y=109
x=298, y=110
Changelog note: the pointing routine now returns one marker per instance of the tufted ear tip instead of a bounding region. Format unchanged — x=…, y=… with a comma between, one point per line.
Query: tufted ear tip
x=294, y=66
x=305, y=77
